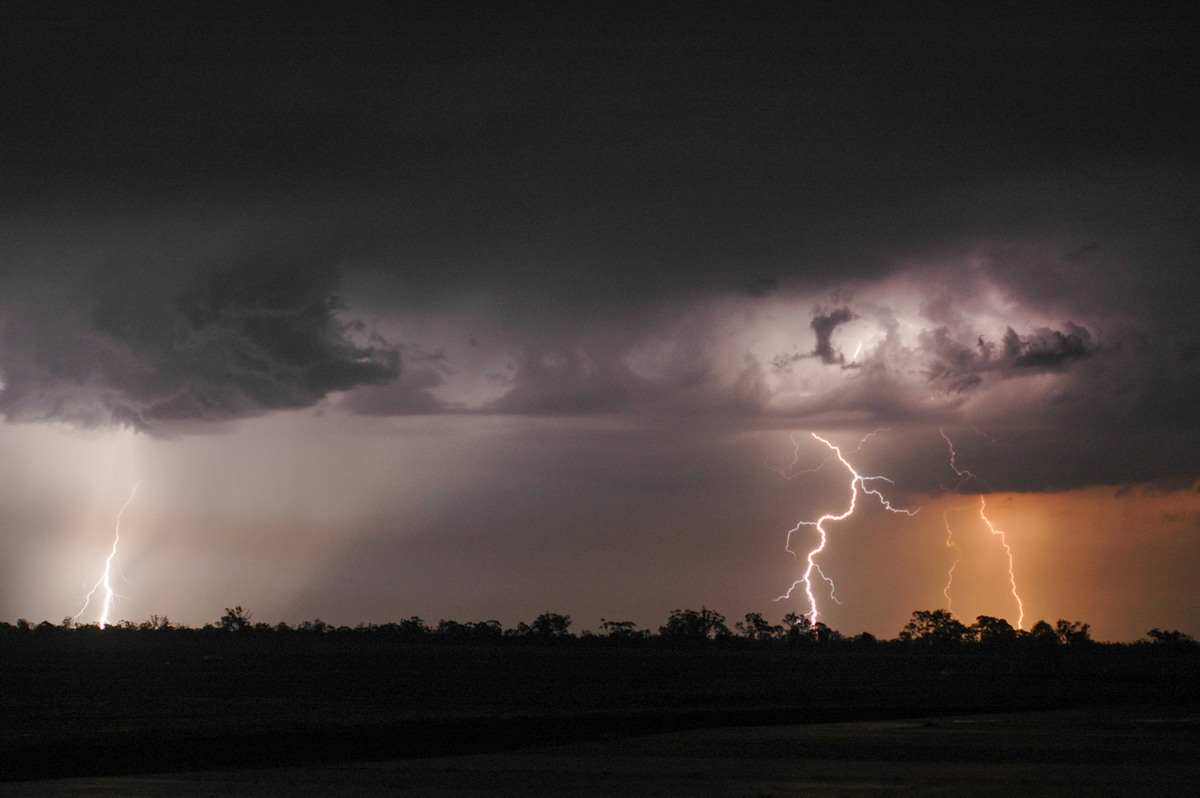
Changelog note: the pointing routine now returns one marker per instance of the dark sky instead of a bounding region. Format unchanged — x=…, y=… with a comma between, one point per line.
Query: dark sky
x=516, y=309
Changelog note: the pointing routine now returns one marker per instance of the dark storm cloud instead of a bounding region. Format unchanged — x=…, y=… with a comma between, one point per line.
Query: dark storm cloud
x=1047, y=348
x=565, y=174
x=142, y=348
x=823, y=324
x=567, y=381
x=961, y=368
x=643, y=152
x=410, y=393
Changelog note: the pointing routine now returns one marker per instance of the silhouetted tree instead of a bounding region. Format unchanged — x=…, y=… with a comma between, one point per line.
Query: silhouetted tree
x=1042, y=634
x=933, y=627
x=823, y=634
x=621, y=630
x=550, y=625
x=702, y=624
x=453, y=629
x=992, y=631
x=412, y=627
x=1073, y=633
x=235, y=619
x=486, y=630
x=1172, y=638
x=797, y=628
x=316, y=625
x=864, y=640
x=156, y=623
x=756, y=627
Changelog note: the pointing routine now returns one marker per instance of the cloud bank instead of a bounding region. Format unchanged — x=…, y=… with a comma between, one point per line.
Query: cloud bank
x=944, y=341
x=163, y=352
x=797, y=223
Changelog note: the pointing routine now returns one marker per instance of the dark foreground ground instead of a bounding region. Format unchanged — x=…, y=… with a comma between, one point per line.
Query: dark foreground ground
x=1095, y=752
x=244, y=717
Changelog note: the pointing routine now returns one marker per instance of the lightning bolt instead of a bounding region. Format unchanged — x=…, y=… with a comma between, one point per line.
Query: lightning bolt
x=965, y=476
x=858, y=484
x=950, y=544
x=1012, y=579
x=104, y=583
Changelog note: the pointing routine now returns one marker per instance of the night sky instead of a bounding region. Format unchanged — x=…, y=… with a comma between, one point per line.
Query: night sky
x=477, y=312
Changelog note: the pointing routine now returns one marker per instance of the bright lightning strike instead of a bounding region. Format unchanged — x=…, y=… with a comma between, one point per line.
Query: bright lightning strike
x=1012, y=579
x=858, y=483
x=964, y=477
x=104, y=583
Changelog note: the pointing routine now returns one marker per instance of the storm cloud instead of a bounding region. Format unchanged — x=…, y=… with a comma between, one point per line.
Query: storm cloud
x=163, y=352
x=722, y=224
x=960, y=367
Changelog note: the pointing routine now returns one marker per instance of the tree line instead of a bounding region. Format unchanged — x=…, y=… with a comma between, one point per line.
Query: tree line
x=926, y=628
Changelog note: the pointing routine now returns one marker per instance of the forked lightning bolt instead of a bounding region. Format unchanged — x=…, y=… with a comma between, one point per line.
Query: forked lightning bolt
x=857, y=483
x=964, y=477
x=104, y=583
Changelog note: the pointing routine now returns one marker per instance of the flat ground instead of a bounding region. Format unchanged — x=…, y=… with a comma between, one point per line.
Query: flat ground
x=192, y=713
x=1096, y=751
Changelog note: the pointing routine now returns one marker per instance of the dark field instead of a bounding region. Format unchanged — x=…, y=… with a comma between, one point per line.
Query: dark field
x=732, y=717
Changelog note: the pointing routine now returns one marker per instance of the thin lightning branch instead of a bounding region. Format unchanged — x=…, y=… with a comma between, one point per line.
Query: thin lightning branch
x=857, y=483
x=788, y=472
x=964, y=477
x=982, y=434
x=832, y=586
x=950, y=544
x=105, y=583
